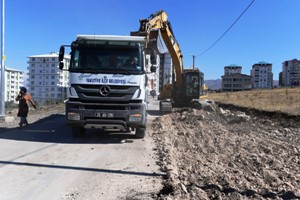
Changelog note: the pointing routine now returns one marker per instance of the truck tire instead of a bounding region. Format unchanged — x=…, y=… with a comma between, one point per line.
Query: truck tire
x=140, y=132
x=78, y=131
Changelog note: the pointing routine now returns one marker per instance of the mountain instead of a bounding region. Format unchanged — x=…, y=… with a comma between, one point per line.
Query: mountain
x=214, y=84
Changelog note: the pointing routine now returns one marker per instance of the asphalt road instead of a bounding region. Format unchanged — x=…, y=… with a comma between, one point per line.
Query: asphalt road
x=44, y=161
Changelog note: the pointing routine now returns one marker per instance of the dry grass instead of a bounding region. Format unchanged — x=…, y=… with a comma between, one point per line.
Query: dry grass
x=286, y=100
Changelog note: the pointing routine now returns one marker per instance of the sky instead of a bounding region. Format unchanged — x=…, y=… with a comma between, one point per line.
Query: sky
x=268, y=31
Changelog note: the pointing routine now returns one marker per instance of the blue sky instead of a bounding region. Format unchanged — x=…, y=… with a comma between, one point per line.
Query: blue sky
x=269, y=31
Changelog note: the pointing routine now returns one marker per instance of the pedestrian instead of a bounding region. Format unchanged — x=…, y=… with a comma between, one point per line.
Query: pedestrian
x=24, y=99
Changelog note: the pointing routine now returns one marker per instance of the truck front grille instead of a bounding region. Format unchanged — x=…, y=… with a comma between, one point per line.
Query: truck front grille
x=92, y=93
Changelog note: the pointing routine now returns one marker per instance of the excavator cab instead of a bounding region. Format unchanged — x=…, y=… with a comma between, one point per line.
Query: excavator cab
x=192, y=83
x=190, y=89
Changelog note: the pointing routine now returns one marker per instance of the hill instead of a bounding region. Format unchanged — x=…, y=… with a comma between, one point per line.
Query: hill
x=214, y=84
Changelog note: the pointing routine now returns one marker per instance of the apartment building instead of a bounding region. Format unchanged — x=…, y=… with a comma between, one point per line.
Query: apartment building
x=291, y=73
x=236, y=82
x=232, y=69
x=233, y=79
x=14, y=79
x=46, y=82
x=262, y=75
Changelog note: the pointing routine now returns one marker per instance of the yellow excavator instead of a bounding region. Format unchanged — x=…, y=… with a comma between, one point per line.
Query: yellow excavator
x=187, y=84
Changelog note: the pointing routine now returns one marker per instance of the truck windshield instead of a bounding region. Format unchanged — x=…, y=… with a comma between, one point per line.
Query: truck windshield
x=108, y=59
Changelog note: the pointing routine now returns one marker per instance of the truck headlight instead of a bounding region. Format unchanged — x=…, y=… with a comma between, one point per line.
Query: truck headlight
x=135, y=117
x=73, y=116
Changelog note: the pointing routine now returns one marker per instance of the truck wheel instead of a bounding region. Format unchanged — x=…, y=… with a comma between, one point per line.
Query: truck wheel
x=78, y=131
x=140, y=132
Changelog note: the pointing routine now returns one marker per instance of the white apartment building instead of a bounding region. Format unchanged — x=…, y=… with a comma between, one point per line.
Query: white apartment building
x=291, y=73
x=262, y=75
x=232, y=69
x=14, y=79
x=46, y=82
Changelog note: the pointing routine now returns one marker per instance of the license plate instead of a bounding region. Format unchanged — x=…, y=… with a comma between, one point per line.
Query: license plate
x=104, y=114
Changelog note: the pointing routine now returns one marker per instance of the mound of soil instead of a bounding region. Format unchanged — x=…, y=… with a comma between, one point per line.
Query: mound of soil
x=228, y=154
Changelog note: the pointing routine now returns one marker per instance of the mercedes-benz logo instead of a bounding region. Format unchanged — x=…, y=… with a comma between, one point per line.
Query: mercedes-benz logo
x=104, y=90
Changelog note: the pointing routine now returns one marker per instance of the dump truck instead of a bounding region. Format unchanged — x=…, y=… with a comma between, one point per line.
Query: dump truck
x=107, y=84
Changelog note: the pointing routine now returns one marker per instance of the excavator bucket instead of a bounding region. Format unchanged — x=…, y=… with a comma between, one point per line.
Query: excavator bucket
x=161, y=46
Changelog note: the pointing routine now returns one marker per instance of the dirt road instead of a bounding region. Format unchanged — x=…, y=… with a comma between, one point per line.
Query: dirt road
x=216, y=153
x=44, y=161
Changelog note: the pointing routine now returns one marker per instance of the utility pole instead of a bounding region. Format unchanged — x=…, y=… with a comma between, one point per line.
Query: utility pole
x=2, y=114
x=193, y=61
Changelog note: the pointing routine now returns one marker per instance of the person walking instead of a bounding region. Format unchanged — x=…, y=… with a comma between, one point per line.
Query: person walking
x=24, y=99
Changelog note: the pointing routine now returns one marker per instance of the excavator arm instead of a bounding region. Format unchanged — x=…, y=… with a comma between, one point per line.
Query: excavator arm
x=159, y=22
x=185, y=86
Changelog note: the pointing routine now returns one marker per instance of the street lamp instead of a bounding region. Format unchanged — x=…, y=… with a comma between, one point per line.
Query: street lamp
x=2, y=113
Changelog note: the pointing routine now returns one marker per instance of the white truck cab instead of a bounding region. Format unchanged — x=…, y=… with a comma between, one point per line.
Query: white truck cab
x=107, y=84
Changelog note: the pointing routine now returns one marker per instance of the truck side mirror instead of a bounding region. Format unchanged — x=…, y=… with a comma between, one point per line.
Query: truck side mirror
x=61, y=57
x=153, y=69
x=61, y=53
x=153, y=59
x=61, y=65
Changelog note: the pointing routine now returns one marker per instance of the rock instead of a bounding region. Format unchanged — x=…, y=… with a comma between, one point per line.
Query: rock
x=9, y=119
x=200, y=117
x=182, y=117
x=242, y=117
x=183, y=188
x=209, y=107
x=222, y=111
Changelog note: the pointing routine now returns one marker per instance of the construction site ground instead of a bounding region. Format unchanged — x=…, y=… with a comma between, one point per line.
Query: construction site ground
x=229, y=153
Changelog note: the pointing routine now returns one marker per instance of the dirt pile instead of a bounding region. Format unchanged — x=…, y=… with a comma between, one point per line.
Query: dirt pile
x=223, y=154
